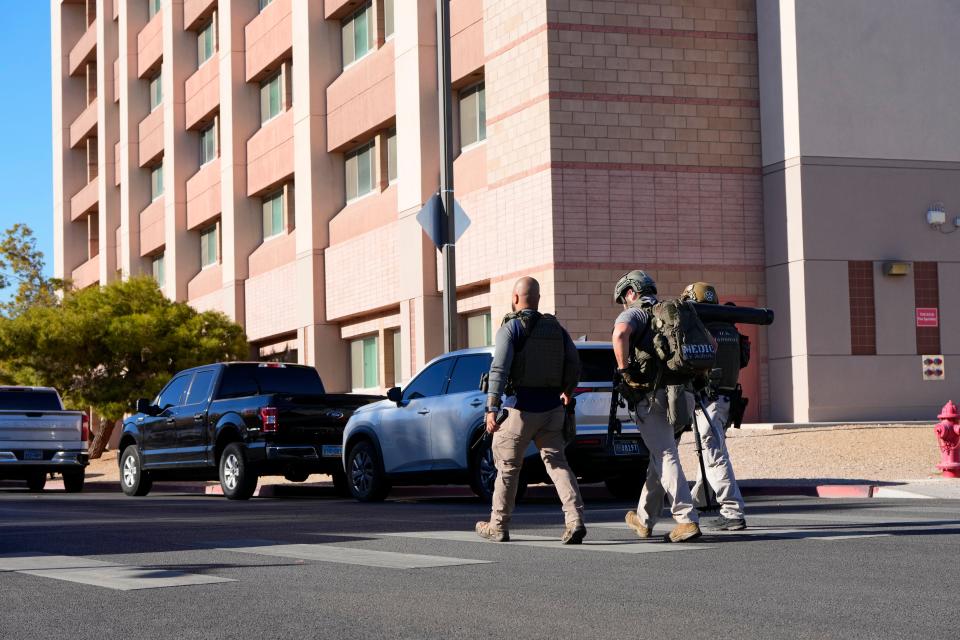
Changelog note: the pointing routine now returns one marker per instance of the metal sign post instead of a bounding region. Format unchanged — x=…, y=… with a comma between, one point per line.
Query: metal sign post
x=446, y=176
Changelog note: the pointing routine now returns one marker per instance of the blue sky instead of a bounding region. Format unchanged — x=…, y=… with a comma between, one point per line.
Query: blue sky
x=26, y=170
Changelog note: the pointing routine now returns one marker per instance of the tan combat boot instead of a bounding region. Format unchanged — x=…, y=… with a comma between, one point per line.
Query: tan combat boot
x=488, y=532
x=574, y=534
x=685, y=531
x=633, y=521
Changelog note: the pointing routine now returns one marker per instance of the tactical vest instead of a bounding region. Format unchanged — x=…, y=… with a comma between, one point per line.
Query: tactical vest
x=538, y=360
x=728, y=353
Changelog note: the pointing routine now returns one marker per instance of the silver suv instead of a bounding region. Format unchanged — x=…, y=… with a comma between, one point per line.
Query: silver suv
x=430, y=432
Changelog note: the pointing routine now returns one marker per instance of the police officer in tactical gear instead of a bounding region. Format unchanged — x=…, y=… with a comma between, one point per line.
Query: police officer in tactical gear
x=732, y=355
x=637, y=361
x=536, y=356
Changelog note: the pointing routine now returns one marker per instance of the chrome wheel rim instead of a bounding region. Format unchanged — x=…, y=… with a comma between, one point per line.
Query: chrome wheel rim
x=361, y=472
x=488, y=471
x=231, y=472
x=129, y=471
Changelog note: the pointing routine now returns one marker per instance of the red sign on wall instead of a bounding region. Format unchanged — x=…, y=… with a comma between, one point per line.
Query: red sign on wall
x=927, y=317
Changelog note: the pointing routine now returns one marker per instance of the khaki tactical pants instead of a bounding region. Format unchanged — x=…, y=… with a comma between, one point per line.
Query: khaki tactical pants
x=509, y=445
x=664, y=473
x=716, y=460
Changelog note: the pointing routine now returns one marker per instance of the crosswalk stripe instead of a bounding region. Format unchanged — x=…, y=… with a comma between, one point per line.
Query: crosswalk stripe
x=612, y=546
x=850, y=537
x=99, y=573
x=348, y=555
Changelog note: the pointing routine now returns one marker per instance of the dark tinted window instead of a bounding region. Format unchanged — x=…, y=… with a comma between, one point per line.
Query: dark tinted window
x=430, y=381
x=241, y=380
x=23, y=400
x=467, y=372
x=173, y=393
x=200, y=389
x=597, y=365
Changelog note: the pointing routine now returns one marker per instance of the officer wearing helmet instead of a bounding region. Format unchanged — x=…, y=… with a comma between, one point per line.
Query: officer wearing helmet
x=732, y=355
x=637, y=366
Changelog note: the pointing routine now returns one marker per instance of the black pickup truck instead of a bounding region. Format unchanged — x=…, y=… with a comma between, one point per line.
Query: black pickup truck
x=237, y=421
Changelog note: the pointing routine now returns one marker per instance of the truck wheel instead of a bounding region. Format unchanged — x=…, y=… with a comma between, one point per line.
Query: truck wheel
x=365, y=476
x=625, y=487
x=340, y=485
x=73, y=481
x=237, y=477
x=36, y=480
x=483, y=473
x=134, y=481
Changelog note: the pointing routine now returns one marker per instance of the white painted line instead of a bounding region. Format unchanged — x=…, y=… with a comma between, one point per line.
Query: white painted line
x=890, y=492
x=348, y=555
x=613, y=546
x=35, y=561
x=127, y=578
x=849, y=537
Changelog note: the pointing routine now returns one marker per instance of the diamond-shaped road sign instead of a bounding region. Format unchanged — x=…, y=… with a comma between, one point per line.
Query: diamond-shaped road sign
x=433, y=219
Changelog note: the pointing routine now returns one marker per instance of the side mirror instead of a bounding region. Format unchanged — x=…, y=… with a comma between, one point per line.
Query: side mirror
x=144, y=405
x=395, y=395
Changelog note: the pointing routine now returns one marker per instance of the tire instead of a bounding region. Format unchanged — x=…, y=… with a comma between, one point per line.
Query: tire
x=134, y=481
x=36, y=480
x=296, y=476
x=365, y=476
x=340, y=485
x=483, y=473
x=73, y=481
x=625, y=487
x=238, y=478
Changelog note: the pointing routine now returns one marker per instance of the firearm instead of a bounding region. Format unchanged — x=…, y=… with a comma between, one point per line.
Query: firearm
x=733, y=314
x=614, y=426
x=484, y=435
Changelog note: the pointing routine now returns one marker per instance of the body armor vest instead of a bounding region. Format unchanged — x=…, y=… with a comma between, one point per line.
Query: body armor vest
x=538, y=363
x=728, y=353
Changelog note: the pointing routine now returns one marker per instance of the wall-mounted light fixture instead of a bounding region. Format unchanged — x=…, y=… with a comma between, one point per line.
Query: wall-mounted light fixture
x=937, y=218
x=896, y=268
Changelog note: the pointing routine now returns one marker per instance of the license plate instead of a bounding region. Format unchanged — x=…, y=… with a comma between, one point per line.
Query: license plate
x=331, y=450
x=33, y=454
x=626, y=448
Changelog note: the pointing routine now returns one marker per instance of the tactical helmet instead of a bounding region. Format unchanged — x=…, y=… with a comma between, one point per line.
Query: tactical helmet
x=700, y=292
x=637, y=280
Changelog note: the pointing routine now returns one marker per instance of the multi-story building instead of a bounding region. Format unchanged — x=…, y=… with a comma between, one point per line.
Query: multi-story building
x=267, y=158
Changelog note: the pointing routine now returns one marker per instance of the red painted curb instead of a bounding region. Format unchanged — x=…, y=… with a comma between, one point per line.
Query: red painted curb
x=845, y=490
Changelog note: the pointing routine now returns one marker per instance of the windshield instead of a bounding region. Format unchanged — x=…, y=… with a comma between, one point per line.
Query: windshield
x=24, y=400
x=241, y=380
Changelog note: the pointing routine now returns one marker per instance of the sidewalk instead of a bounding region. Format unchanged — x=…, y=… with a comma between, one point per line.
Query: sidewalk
x=846, y=461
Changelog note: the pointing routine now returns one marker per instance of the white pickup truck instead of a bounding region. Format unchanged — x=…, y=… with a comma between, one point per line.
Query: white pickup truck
x=38, y=437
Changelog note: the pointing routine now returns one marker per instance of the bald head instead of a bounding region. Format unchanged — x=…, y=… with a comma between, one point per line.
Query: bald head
x=526, y=294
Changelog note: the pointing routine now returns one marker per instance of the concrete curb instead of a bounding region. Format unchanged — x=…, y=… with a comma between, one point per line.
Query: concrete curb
x=786, y=426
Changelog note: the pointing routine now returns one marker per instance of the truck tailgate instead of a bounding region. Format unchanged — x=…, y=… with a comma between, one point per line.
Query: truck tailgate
x=40, y=430
x=316, y=419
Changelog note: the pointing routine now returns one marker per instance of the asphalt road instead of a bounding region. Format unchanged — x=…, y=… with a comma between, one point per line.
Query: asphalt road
x=205, y=567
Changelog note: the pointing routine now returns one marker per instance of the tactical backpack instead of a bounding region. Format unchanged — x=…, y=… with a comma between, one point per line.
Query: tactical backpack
x=681, y=341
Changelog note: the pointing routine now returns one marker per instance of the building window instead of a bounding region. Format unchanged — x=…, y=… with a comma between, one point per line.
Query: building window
x=158, y=269
x=273, y=215
x=210, y=245
x=206, y=43
x=388, y=18
x=479, y=331
x=270, y=94
x=156, y=182
x=364, y=368
x=264, y=3
x=473, y=115
x=392, y=156
x=360, y=171
x=153, y=8
x=397, y=358
x=357, y=35
x=156, y=90
x=208, y=144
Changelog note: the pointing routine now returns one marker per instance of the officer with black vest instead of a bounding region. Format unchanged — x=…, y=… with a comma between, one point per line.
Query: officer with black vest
x=732, y=354
x=639, y=370
x=534, y=357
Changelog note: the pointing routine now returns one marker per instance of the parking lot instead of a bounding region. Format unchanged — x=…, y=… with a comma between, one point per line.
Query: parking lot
x=99, y=565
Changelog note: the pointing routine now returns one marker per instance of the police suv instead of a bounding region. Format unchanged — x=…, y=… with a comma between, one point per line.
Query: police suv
x=431, y=431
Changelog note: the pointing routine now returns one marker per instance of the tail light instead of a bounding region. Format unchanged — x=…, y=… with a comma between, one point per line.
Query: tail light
x=577, y=391
x=268, y=419
x=84, y=427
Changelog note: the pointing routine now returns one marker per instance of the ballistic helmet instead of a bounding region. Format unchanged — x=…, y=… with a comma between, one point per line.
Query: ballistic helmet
x=700, y=292
x=637, y=280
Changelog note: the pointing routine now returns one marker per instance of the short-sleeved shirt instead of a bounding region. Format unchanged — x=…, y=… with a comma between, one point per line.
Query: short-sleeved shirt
x=638, y=319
